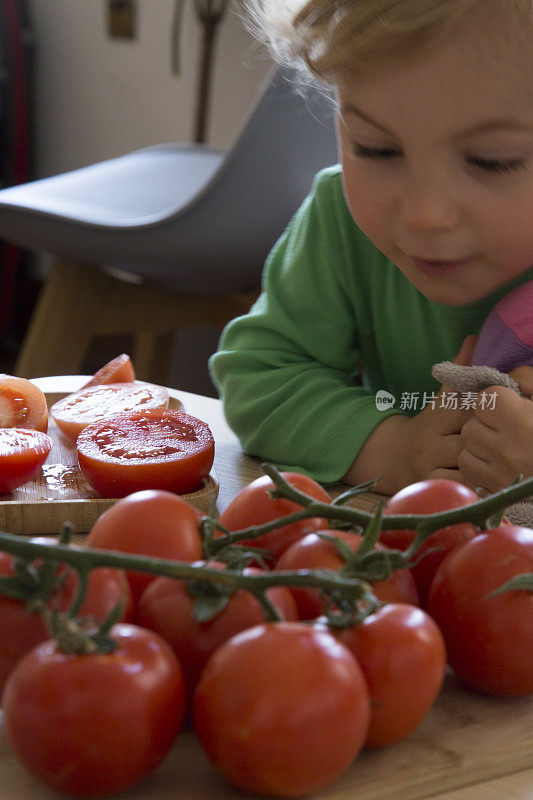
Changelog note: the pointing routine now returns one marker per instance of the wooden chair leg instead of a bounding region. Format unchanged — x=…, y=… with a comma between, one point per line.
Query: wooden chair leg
x=80, y=301
x=60, y=329
x=144, y=353
x=152, y=354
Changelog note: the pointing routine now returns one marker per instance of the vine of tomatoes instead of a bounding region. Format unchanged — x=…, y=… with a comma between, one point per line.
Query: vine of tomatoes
x=358, y=669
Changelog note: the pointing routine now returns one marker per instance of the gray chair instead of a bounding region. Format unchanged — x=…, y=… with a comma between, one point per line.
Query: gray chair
x=167, y=237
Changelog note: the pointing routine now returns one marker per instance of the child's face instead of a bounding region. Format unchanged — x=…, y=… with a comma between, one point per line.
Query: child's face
x=437, y=155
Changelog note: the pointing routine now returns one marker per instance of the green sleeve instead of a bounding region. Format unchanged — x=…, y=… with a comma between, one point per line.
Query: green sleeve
x=288, y=371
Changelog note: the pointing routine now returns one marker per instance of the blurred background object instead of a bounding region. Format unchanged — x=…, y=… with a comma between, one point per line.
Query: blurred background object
x=88, y=95
x=99, y=95
x=168, y=238
x=16, y=166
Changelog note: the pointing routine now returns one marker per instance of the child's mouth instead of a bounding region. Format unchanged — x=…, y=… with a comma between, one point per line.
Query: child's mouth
x=432, y=266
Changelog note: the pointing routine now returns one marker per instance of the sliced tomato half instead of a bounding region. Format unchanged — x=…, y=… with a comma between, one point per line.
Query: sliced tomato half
x=118, y=370
x=22, y=404
x=79, y=409
x=161, y=449
x=22, y=454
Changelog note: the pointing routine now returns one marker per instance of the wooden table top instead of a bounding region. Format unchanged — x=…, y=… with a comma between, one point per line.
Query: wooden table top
x=469, y=747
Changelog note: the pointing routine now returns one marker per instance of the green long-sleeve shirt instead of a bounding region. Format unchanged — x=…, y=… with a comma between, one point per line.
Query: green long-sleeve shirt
x=336, y=323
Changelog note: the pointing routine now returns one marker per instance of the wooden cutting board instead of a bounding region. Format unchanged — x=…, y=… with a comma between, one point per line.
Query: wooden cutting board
x=60, y=492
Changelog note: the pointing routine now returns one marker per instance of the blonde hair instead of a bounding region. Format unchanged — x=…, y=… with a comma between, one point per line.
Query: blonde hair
x=327, y=37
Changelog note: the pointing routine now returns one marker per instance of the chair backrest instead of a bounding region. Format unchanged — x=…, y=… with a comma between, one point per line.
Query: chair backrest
x=288, y=137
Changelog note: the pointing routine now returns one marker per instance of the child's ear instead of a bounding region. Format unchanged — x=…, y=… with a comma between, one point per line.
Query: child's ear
x=464, y=356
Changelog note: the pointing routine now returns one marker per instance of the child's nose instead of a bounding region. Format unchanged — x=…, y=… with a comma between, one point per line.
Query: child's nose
x=428, y=204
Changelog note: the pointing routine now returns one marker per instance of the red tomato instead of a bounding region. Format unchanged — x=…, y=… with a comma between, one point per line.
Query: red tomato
x=162, y=449
x=20, y=629
x=166, y=607
x=22, y=454
x=22, y=404
x=313, y=552
x=254, y=506
x=73, y=413
x=281, y=709
x=428, y=497
x=118, y=370
x=489, y=640
x=151, y=523
x=402, y=655
x=94, y=725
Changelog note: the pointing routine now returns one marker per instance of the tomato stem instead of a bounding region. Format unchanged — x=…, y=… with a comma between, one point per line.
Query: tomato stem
x=426, y=524
x=74, y=636
x=257, y=583
x=347, y=589
x=355, y=491
x=523, y=582
x=269, y=608
x=81, y=591
x=254, y=531
x=10, y=586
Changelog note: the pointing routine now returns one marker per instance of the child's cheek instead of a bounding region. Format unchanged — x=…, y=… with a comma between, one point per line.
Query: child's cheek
x=365, y=204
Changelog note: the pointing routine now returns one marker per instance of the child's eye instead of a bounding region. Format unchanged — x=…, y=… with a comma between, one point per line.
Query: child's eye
x=376, y=153
x=497, y=165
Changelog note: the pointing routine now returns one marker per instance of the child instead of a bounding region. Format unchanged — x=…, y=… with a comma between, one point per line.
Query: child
x=399, y=254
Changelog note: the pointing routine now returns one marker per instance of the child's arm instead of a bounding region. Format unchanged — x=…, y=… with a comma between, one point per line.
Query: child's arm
x=497, y=441
x=287, y=371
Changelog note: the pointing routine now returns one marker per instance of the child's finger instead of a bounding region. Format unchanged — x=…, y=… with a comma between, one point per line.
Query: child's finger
x=449, y=474
x=451, y=447
x=464, y=356
x=449, y=414
x=502, y=409
x=478, y=472
x=524, y=378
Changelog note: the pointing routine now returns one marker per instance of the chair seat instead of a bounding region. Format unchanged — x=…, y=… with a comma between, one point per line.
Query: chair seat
x=185, y=217
x=133, y=214
x=139, y=188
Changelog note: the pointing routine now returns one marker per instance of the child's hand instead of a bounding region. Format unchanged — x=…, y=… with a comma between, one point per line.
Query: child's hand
x=435, y=440
x=404, y=450
x=497, y=441
x=436, y=432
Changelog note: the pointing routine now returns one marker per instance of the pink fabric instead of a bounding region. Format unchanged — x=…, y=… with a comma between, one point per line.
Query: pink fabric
x=506, y=337
x=516, y=311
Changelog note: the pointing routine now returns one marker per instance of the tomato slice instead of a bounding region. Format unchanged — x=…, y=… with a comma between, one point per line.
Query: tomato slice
x=79, y=409
x=118, y=370
x=22, y=454
x=22, y=404
x=160, y=449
